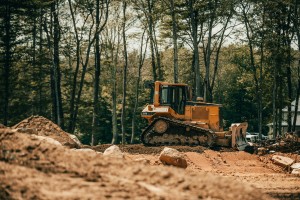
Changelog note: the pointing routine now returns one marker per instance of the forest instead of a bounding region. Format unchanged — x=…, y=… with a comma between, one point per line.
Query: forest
x=84, y=64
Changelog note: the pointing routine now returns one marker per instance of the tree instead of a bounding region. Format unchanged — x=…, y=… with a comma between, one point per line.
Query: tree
x=149, y=9
x=193, y=13
x=124, y=4
x=104, y=12
x=87, y=11
x=111, y=42
x=296, y=22
x=142, y=55
x=8, y=37
x=255, y=38
x=17, y=49
x=218, y=17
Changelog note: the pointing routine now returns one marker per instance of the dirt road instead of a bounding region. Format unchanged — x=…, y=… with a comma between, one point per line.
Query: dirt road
x=245, y=168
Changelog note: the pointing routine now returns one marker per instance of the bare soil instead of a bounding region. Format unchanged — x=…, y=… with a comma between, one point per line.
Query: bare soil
x=37, y=169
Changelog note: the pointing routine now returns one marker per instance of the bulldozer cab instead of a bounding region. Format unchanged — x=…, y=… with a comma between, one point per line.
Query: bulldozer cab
x=174, y=96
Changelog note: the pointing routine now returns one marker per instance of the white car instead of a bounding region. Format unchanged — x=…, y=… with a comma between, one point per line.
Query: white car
x=252, y=137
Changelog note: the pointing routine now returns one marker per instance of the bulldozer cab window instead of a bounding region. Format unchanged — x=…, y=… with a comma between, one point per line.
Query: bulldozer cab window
x=173, y=96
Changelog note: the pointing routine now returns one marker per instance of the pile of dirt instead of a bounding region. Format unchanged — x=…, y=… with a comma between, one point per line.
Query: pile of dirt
x=2, y=126
x=35, y=169
x=45, y=127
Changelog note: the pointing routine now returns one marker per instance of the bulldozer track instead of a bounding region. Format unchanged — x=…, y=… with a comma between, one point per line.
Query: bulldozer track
x=176, y=133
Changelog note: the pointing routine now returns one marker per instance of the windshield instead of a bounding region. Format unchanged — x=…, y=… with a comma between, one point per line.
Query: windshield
x=174, y=96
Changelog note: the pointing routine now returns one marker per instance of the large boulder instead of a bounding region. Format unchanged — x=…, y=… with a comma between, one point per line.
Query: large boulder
x=296, y=171
x=282, y=161
x=173, y=157
x=113, y=151
x=295, y=166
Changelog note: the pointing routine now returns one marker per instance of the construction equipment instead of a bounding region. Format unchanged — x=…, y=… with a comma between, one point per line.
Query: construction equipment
x=174, y=119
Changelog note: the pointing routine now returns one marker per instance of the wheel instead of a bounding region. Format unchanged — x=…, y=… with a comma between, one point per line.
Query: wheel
x=160, y=126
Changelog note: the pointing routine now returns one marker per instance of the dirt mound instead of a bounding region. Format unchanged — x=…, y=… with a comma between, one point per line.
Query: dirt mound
x=2, y=126
x=45, y=127
x=35, y=169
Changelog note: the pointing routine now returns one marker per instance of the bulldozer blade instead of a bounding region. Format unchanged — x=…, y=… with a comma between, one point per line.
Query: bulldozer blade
x=238, y=136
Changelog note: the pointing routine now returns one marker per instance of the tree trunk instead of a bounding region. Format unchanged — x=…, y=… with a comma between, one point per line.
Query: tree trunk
x=141, y=62
x=280, y=98
x=75, y=76
x=150, y=29
x=249, y=33
x=91, y=39
x=52, y=79
x=289, y=81
x=175, y=48
x=216, y=64
x=287, y=43
x=114, y=92
x=34, y=36
x=260, y=92
x=297, y=98
x=207, y=94
x=56, y=67
x=296, y=24
x=193, y=15
x=7, y=62
x=40, y=85
x=124, y=73
x=96, y=108
x=157, y=55
x=274, y=97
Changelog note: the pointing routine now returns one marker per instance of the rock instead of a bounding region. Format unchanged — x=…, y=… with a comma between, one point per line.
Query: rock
x=282, y=161
x=296, y=171
x=113, y=151
x=173, y=157
x=85, y=150
x=295, y=166
x=47, y=139
x=142, y=160
x=75, y=139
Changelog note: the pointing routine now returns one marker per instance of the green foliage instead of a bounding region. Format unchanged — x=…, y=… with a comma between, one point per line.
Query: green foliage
x=30, y=59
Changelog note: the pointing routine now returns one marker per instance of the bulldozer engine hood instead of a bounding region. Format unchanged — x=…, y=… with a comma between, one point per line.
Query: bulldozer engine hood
x=151, y=110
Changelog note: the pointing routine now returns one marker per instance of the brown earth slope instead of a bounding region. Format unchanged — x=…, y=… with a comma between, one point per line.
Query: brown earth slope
x=35, y=169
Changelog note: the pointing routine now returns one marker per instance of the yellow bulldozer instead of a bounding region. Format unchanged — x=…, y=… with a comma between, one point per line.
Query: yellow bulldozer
x=174, y=119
